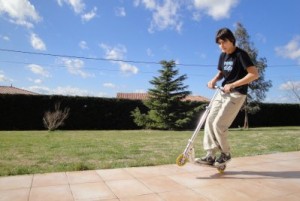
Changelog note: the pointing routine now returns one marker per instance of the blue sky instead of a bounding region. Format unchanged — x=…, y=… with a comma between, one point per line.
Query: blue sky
x=99, y=48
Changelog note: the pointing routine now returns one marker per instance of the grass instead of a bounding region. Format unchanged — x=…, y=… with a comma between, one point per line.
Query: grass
x=29, y=152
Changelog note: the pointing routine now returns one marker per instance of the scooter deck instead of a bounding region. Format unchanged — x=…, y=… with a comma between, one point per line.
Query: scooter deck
x=181, y=160
x=220, y=168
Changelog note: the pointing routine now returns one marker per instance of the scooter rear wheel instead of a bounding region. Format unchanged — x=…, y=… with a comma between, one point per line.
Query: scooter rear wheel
x=221, y=169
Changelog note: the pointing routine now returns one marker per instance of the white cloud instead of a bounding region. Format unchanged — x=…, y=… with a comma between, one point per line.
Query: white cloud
x=140, y=91
x=109, y=85
x=128, y=68
x=71, y=91
x=39, y=89
x=37, y=81
x=149, y=4
x=217, y=9
x=291, y=50
x=90, y=15
x=77, y=5
x=196, y=16
x=149, y=52
x=66, y=91
x=39, y=70
x=83, y=45
x=260, y=37
x=4, y=78
x=20, y=12
x=290, y=85
x=164, y=15
x=6, y=38
x=36, y=42
x=75, y=67
x=136, y=3
x=120, y=12
x=116, y=55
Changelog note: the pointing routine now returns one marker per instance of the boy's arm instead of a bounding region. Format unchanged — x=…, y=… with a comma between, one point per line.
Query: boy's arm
x=251, y=76
x=212, y=83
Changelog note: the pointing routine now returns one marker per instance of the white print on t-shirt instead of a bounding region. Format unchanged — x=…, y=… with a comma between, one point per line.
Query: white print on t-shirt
x=228, y=65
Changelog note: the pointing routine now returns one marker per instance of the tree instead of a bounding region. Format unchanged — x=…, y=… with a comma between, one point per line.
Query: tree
x=293, y=89
x=166, y=109
x=258, y=88
x=52, y=120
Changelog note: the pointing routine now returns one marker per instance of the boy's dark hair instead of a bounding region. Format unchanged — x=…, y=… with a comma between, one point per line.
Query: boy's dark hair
x=225, y=34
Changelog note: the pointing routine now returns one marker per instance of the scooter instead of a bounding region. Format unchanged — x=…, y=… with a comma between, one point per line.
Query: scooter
x=189, y=152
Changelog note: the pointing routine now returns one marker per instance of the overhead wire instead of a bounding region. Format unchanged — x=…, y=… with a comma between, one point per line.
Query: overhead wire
x=122, y=60
x=94, y=58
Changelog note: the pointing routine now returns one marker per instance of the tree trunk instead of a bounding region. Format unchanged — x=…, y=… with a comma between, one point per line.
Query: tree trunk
x=246, y=123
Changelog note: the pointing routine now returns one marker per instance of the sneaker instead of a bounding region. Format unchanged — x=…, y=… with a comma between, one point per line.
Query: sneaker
x=223, y=159
x=206, y=160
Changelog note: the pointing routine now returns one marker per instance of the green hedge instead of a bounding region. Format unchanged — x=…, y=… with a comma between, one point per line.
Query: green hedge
x=276, y=115
x=25, y=112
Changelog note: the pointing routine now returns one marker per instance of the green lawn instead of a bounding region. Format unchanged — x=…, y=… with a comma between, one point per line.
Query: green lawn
x=27, y=152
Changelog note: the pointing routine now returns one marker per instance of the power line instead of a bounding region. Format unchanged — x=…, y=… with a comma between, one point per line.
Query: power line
x=127, y=61
x=88, y=68
x=92, y=58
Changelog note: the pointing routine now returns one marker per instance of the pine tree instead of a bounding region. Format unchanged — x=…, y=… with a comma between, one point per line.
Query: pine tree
x=258, y=88
x=166, y=109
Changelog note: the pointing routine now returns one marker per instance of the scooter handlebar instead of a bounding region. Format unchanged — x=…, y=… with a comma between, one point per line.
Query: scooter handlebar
x=218, y=87
x=222, y=88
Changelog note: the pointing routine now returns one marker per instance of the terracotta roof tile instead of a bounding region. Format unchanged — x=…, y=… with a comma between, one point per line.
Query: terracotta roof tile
x=197, y=98
x=144, y=96
x=14, y=90
x=132, y=96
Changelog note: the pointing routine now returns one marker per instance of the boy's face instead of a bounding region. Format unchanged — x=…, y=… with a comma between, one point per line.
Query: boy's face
x=226, y=46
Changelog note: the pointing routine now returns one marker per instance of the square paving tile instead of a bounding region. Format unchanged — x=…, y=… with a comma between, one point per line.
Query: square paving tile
x=114, y=174
x=289, y=186
x=175, y=169
x=285, y=155
x=144, y=172
x=190, y=180
x=15, y=182
x=289, y=197
x=128, y=188
x=15, y=194
x=245, y=161
x=83, y=177
x=149, y=197
x=91, y=191
x=50, y=179
x=51, y=193
x=182, y=195
x=162, y=184
x=254, y=190
x=219, y=193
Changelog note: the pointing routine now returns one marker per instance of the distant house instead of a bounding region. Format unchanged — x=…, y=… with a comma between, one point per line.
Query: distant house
x=144, y=96
x=14, y=90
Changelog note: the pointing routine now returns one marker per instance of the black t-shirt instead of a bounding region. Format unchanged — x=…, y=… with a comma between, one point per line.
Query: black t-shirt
x=234, y=67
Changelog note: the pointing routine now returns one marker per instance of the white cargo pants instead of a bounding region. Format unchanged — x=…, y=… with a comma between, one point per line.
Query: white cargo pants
x=223, y=111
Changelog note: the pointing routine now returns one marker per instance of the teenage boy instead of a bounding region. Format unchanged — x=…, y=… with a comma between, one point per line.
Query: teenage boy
x=236, y=70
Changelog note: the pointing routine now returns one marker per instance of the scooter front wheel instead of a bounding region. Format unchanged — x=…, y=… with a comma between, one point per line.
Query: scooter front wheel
x=181, y=160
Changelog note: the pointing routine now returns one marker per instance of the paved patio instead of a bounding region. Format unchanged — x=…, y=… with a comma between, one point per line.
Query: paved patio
x=266, y=178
